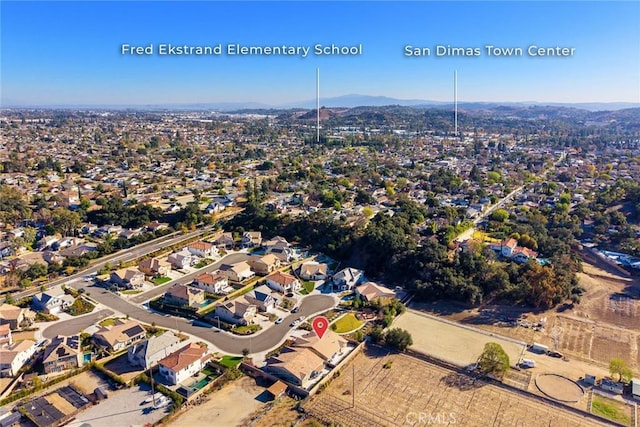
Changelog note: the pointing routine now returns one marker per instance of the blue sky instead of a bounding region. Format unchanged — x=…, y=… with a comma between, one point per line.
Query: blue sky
x=55, y=53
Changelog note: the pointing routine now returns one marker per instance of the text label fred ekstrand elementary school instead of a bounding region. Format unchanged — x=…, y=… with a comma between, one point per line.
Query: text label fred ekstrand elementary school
x=236, y=49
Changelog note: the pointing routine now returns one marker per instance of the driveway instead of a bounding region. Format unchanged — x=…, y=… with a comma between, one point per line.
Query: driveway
x=75, y=325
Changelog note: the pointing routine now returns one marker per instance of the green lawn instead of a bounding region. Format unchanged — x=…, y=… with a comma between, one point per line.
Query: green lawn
x=346, y=323
x=611, y=409
x=308, y=287
x=79, y=307
x=132, y=291
x=161, y=280
x=109, y=321
x=246, y=330
x=230, y=361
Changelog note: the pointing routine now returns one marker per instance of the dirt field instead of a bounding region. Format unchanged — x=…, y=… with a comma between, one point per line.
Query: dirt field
x=605, y=325
x=227, y=407
x=449, y=342
x=413, y=392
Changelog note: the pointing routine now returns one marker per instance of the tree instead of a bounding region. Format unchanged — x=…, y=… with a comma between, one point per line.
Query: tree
x=376, y=334
x=493, y=360
x=245, y=352
x=619, y=367
x=398, y=338
x=499, y=215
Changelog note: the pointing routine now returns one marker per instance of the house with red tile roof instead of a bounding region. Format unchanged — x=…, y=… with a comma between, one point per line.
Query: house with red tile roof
x=183, y=363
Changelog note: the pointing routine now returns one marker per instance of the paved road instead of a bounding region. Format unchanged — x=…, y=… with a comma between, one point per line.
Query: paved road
x=124, y=256
x=158, y=290
x=226, y=342
x=75, y=325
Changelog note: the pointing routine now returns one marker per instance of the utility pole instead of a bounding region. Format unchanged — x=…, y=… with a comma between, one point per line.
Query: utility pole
x=317, y=104
x=455, y=101
x=353, y=386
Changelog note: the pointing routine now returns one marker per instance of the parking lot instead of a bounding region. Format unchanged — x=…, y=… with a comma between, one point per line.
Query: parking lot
x=123, y=408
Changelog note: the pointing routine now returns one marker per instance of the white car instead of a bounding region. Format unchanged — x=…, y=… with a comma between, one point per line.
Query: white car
x=280, y=319
x=528, y=363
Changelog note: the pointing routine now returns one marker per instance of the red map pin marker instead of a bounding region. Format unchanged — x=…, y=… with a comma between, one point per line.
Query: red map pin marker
x=320, y=325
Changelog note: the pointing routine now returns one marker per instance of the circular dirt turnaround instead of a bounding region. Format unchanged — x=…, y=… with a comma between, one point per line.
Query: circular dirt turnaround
x=559, y=388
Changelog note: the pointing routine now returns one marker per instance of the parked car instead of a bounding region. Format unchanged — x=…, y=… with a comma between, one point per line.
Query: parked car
x=295, y=323
x=295, y=309
x=555, y=354
x=528, y=363
x=280, y=319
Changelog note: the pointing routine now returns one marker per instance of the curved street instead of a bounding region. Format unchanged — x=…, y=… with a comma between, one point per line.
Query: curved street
x=226, y=342
x=75, y=325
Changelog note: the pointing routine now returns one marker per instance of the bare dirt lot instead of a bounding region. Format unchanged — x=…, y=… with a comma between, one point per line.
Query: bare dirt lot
x=227, y=407
x=451, y=342
x=414, y=392
x=605, y=325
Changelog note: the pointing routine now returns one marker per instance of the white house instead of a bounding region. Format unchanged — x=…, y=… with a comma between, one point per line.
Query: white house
x=347, y=279
x=147, y=353
x=283, y=282
x=180, y=260
x=214, y=283
x=183, y=363
x=51, y=302
x=251, y=239
x=13, y=357
x=202, y=249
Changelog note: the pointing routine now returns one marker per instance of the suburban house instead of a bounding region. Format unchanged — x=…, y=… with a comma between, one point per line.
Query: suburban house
x=283, y=282
x=184, y=295
x=509, y=248
x=15, y=316
x=51, y=302
x=180, y=260
x=328, y=347
x=202, y=249
x=251, y=239
x=119, y=336
x=62, y=353
x=80, y=250
x=214, y=283
x=278, y=241
x=225, y=241
x=348, y=278
x=13, y=357
x=154, y=226
x=296, y=366
x=147, y=353
x=312, y=270
x=238, y=311
x=284, y=254
x=370, y=291
x=238, y=272
x=5, y=335
x=183, y=363
x=263, y=298
x=127, y=277
x=264, y=265
x=154, y=267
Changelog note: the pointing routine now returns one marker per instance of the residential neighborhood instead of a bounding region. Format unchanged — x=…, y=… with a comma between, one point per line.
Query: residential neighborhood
x=180, y=251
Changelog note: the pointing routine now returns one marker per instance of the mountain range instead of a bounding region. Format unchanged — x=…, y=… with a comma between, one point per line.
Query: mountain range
x=346, y=101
